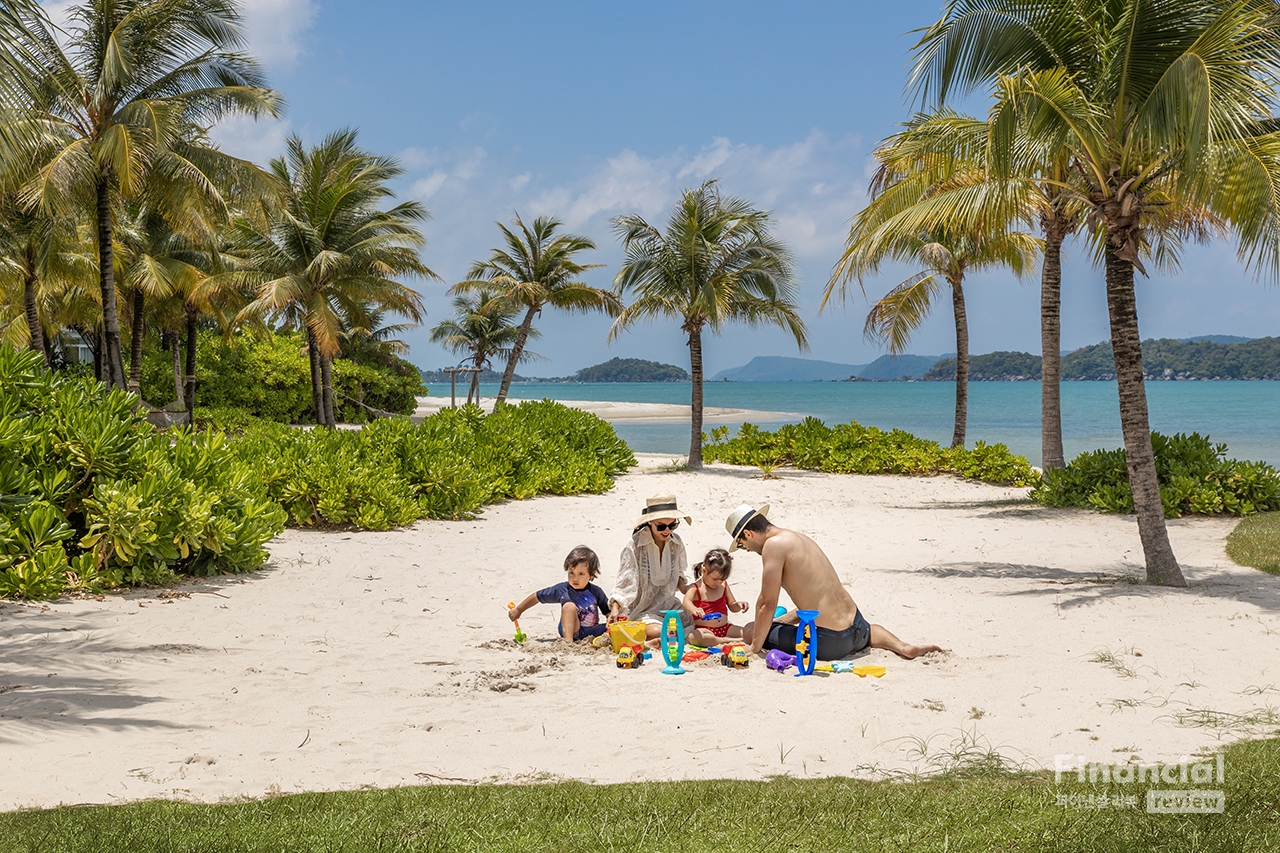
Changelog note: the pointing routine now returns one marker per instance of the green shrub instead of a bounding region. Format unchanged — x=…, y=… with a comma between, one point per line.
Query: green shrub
x=92, y=497
x=1195, y=476
x=268, y=376
x=854, y=449
x=393, y=472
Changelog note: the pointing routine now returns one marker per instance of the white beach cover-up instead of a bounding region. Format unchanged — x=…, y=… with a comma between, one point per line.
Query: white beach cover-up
x=647, y=582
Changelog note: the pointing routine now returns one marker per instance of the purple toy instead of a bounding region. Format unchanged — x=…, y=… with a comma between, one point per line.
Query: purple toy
x=779, y=660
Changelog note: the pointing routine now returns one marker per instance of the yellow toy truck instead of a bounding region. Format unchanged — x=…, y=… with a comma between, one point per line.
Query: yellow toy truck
x=630, y=657
x=737, y=657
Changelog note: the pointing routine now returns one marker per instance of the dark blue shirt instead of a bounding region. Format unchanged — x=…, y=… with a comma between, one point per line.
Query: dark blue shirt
x=587, y=600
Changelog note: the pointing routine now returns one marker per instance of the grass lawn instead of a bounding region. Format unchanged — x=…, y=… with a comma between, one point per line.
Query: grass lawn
x=997, y=811
x=1256, y=542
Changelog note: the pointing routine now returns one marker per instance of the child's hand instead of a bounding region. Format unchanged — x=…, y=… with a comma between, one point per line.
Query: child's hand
x=513, y=614
x=698, y=613
x=741, y=606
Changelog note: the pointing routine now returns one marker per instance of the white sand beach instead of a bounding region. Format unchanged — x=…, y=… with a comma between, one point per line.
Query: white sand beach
x=383, y=659
x=623, y=413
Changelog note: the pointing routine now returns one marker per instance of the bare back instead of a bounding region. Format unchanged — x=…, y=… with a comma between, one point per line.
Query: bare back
x=809, y=578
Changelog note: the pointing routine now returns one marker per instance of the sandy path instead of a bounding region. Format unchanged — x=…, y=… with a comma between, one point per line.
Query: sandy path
x=380, y=659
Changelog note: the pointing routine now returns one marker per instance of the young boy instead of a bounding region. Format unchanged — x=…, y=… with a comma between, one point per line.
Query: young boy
x=581, y=602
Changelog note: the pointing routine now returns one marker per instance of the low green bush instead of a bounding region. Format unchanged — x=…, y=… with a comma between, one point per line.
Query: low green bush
x=1195, y=476
x=854, y=449
x=91, y=497
x=269, y=376
x=392, y=472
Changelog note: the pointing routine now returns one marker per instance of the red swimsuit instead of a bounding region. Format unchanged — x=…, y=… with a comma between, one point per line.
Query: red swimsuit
x=720, y=605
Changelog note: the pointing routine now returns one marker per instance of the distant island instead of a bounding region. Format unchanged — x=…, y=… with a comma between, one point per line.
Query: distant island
x=629, y=370
x=613, y=370
x=1204, y=358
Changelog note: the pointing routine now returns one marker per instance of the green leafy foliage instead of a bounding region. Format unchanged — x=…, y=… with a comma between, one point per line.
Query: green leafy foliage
x=392, y=472
x=269, y=376
x=1195, y=476
x=854, y=449
x=92, y=497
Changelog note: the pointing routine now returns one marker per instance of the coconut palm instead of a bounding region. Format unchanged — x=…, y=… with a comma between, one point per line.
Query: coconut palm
x=331, y=256
x=537, y=270
x=716, y=262
x=38, y=254
x=481, y=328
x=1165, y=111
x=114, y=99
x=944, y=159
x=947, y=256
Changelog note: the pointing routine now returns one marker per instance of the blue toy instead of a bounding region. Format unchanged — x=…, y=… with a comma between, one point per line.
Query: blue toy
x=713, y=617
x=672, y=642
x=779, y=611
x=806, y=642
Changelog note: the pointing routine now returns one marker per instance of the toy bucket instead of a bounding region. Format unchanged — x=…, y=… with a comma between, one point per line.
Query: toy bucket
x=626, y=634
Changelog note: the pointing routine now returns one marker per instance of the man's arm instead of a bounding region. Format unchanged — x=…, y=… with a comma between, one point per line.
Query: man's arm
x=770, y=585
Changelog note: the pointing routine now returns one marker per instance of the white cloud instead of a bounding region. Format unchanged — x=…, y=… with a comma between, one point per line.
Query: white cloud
x=275, y=30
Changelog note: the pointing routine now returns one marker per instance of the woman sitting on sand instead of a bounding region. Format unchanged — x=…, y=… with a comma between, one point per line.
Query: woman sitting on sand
x=651, y=576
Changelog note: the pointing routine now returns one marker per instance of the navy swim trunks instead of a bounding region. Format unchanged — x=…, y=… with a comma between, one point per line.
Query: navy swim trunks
x=832, y=645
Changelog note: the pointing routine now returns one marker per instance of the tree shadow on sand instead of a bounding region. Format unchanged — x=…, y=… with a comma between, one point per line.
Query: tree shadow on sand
x=1076, y=588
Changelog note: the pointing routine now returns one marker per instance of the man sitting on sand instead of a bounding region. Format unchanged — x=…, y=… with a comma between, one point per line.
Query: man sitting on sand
x=794, y=562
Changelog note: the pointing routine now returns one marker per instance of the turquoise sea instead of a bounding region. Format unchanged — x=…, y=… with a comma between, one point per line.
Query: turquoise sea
x=1243, y=415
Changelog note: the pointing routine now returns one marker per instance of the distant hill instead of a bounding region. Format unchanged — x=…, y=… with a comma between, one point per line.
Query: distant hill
x=905, y=366
x=774, y=368
x=992, y=367
x=1207, y=357
x=631, y=370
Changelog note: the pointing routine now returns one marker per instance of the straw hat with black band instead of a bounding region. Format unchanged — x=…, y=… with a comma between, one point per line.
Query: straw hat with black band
x=659, y=506
x=738, y=520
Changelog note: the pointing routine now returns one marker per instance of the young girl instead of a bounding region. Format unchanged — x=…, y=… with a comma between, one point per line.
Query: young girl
x=709, y=601
x=581, y=602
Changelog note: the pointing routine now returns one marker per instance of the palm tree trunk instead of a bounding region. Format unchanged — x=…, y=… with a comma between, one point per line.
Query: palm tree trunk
x=114, y=365
x=474, y=387
x=189, y=380
x=1051, y=454
x=962, y=360
x=516, y=352
x=135, y=342
x=32, y=310
x=695, y=420
x=326, y=380
x=1126, y=346
x=175, y=343
x=317, y=385
x=99, y=355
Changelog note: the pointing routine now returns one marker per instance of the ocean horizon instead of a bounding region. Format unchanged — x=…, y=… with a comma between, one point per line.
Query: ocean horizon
x=1229, y=412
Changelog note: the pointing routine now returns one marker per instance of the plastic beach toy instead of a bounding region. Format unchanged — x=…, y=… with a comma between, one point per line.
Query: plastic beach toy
x=779, y=611
x=521, y=636
x=672, y=642
x=779, y=660
x=806, y=642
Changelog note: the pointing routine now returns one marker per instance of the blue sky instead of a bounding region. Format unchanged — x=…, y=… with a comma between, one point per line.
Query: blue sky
x=588, y=110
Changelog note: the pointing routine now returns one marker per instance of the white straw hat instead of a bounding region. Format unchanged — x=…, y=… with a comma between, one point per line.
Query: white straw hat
x=659, y=506
x=738, y=519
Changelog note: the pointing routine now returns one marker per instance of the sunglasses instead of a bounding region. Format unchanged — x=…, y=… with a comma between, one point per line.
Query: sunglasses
x=662, y=528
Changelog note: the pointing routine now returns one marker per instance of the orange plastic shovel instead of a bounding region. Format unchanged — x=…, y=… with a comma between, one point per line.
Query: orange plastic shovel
x=520, y=635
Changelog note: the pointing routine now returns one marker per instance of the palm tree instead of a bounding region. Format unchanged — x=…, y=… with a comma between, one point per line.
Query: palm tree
x=537, y=269
x=116, y=103
x=481, y=328
x=944, y=159
x=1164, y=109
x=716, y=262
x=946, y=258
x=330, y=256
